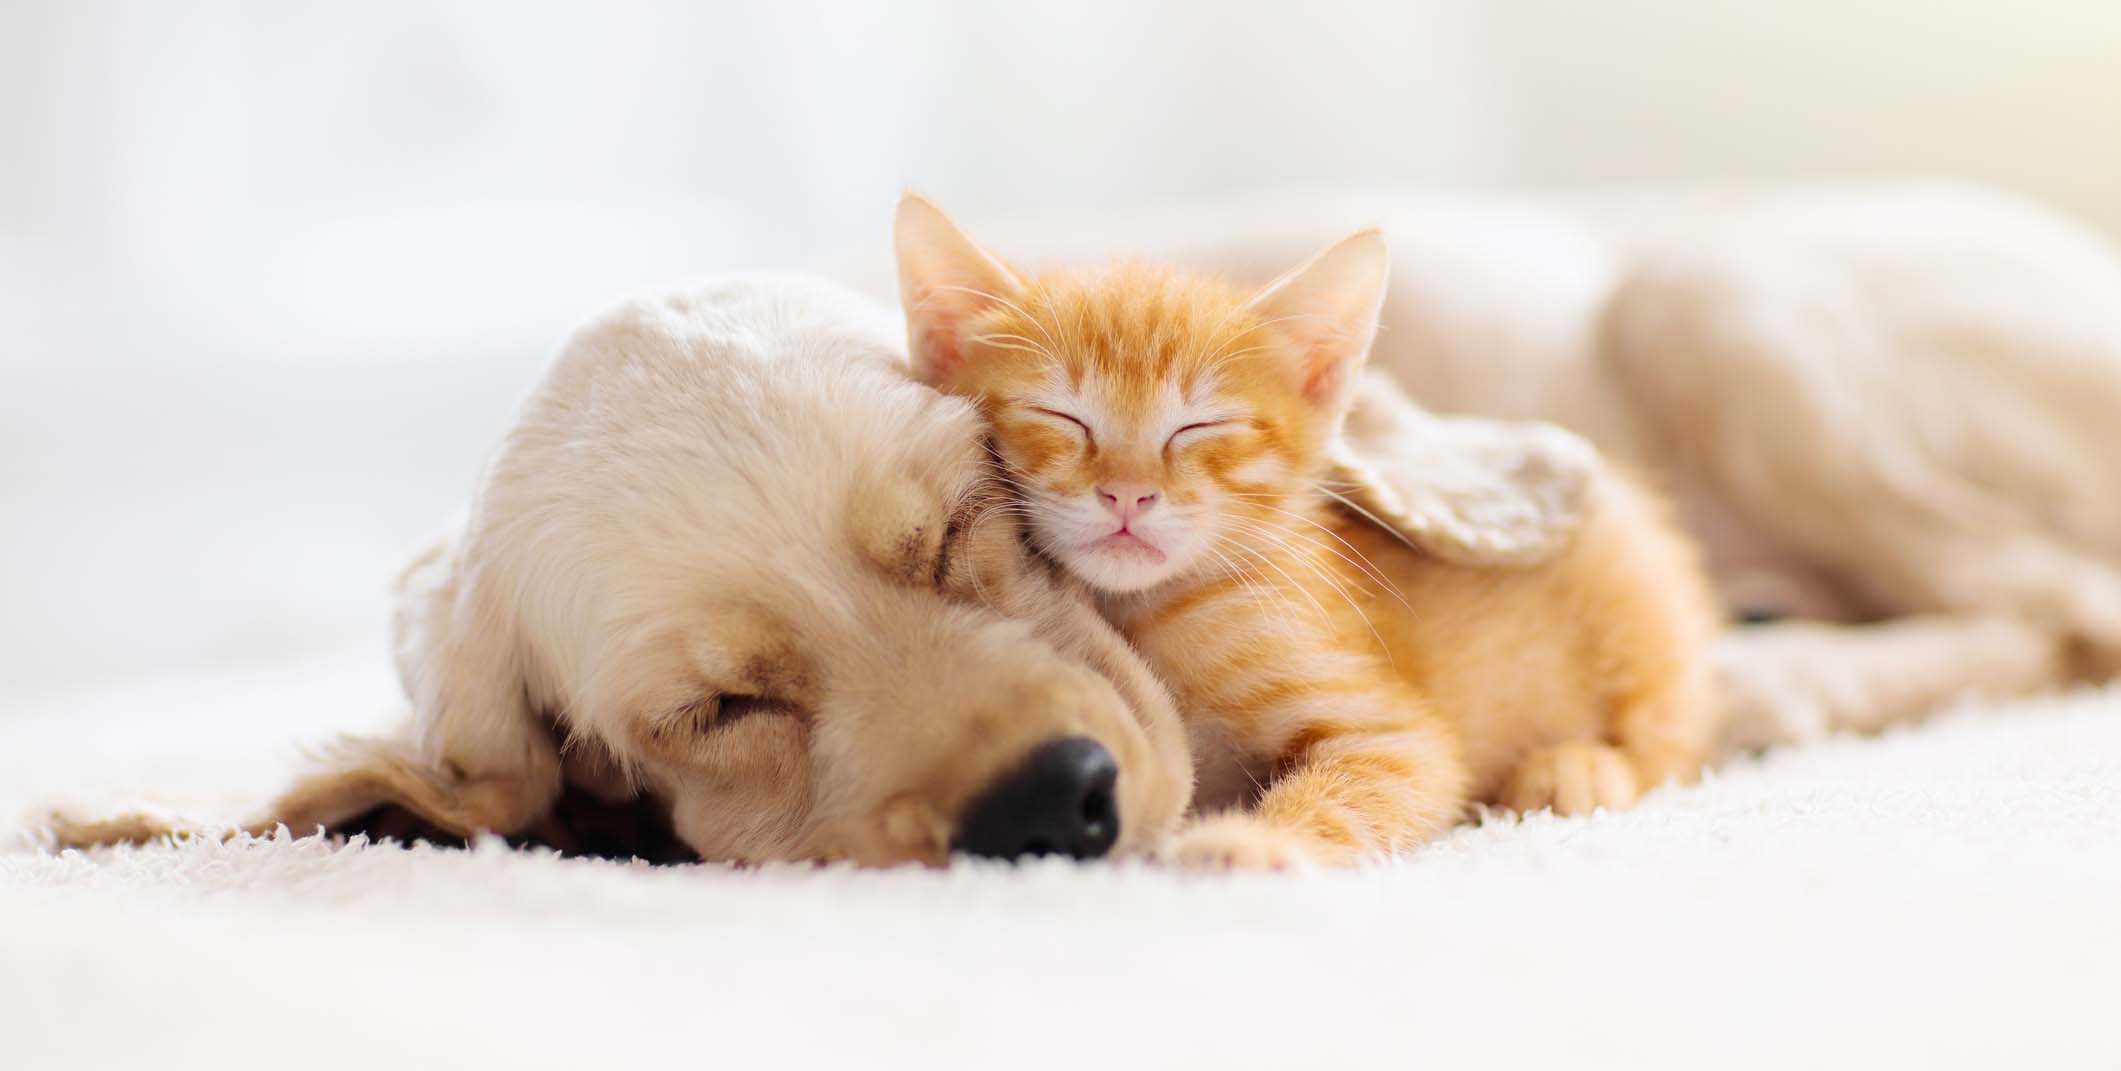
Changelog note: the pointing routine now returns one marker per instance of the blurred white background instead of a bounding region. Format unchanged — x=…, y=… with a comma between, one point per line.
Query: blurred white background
x=273, y=275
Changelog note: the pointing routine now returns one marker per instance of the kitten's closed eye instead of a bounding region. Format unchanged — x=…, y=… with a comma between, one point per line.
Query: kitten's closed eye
x=1057, y=415
x=1196, y=430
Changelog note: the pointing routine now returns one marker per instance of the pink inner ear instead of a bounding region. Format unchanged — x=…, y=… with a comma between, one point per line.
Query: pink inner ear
x=1323, y=363
x=1319, y=379
x=937, y=352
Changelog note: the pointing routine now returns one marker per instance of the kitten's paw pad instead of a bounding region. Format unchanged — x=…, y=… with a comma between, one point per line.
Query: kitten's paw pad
x=1238, y=843
x=1573, y=779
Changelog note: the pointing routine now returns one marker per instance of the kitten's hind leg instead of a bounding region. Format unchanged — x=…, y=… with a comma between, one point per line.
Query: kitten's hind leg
x=1573, y=778
x=1661, y=723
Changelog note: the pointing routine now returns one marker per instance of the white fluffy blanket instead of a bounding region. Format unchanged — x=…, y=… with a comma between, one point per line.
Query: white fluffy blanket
x=1944, y=896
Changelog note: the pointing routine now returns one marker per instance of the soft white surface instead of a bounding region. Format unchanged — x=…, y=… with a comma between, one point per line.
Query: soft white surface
x=1942, y=896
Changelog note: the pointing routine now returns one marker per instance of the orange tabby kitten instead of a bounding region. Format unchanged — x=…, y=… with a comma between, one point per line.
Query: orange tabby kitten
x=1346, y=695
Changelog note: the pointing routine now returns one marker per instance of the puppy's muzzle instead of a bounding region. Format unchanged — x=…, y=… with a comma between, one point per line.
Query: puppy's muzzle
x=1059, y=801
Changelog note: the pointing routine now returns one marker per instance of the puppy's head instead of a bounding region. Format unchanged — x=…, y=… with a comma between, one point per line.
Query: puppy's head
x=734, y=547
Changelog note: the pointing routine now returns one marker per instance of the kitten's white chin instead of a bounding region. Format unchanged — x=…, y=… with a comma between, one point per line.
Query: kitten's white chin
x=1121, y=567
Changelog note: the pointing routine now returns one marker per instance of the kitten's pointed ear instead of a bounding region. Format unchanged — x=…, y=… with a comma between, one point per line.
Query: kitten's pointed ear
x=1329, y=306
x=944, y=279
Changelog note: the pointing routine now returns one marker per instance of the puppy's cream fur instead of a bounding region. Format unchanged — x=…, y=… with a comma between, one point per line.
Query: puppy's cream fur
x=1889, y=413
x=732, y=557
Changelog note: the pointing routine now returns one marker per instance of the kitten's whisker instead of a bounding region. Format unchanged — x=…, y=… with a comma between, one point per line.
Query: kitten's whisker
x=1227, y=340
x=1372, y=517
x=1015, y=342
x=1235, y=354
x=1361, y=564
x=1007, y=304
x=1270, y=563
x=1219, y=354
x=1255, y=586
x=1360, y=560
x=1229, y=570
x=1014, y=484
x=1281, y=613
x=1279, y=589
x=1279, y=538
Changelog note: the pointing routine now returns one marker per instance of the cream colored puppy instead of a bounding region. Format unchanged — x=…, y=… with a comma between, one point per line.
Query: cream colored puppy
x=731, y=559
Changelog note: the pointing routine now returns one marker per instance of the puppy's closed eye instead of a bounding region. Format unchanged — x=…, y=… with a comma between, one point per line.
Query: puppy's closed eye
x=900, y=528
x=932, y=557
x=734, y=707
x=721, y=711
x=979, y=552
x=954, y=528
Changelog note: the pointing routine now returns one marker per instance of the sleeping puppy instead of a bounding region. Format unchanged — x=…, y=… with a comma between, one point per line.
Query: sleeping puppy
x=735, y=578
x=731, y=560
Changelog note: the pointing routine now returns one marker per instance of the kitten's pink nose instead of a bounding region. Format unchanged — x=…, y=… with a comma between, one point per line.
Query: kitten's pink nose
x=1126, y=500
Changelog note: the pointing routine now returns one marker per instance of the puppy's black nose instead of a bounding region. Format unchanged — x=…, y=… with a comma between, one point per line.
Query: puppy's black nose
x=1058, y=802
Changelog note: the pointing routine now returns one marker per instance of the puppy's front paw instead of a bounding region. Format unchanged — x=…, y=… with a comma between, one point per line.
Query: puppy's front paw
x=1573, y=779
x=1236, y=842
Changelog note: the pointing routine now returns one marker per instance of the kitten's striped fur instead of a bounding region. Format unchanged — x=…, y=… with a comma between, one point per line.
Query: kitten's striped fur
x=1347, y=696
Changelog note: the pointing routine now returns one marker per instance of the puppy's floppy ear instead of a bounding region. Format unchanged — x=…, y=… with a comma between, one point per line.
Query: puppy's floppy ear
x=349, y=779
x=1465, y=489
x=944, y=279
x=489, y=759
x=475, y=757
x=1328, y=308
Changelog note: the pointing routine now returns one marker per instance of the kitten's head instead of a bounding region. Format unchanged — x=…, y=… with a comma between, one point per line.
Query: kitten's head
x=1154, y=422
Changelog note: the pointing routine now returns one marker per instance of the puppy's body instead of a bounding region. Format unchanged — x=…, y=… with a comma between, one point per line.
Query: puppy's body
x=732, y=558
x=1886, y=412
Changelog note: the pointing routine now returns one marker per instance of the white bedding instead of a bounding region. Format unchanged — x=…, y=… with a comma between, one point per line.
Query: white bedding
x=1944, y=896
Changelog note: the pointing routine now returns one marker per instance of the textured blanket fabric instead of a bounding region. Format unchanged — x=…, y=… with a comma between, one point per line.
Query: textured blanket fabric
x=1943, y=896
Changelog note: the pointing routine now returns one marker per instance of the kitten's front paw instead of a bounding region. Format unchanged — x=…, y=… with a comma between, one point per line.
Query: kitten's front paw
x=1573, y=779
x=1236, y=842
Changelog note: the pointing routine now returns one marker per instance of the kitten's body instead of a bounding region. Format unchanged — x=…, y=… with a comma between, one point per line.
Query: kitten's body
x=1346, y=694
x=1507, y=662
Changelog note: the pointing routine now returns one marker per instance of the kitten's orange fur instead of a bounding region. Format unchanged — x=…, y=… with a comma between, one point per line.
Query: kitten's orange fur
x=1347, y=695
